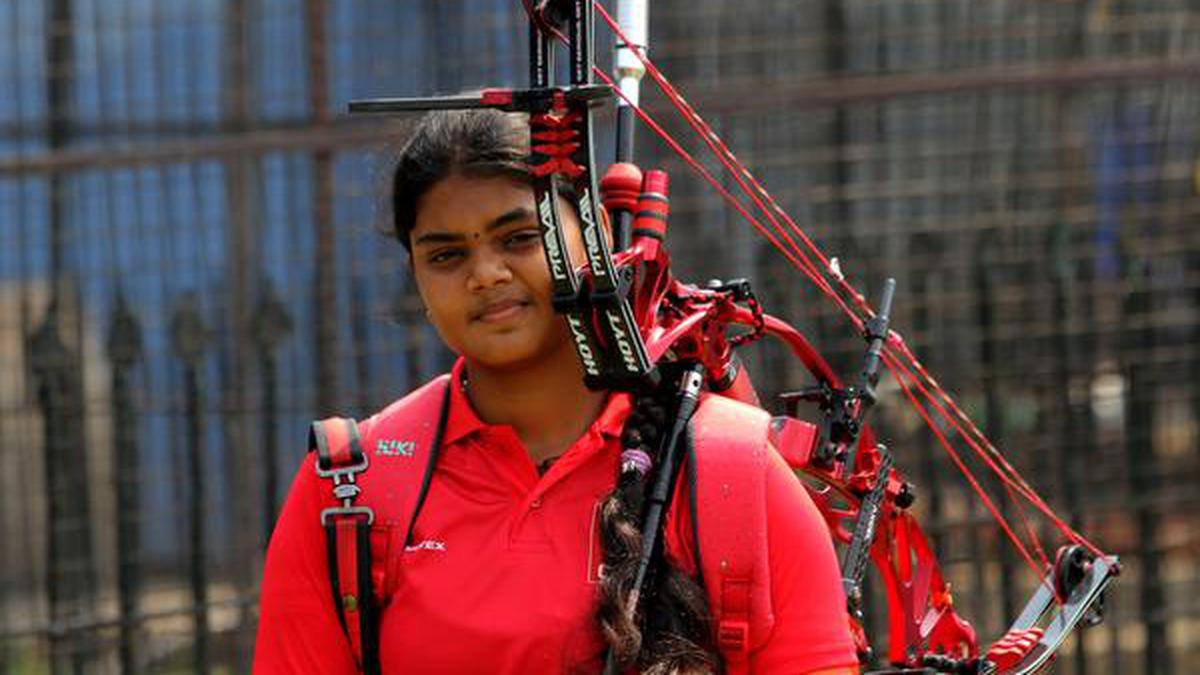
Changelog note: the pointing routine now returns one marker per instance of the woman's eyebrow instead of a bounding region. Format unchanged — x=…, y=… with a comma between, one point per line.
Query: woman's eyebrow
x=519, y=214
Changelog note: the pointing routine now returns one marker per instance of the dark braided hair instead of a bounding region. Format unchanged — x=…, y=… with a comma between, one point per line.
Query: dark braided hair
x=670, y=632
x=667, y=629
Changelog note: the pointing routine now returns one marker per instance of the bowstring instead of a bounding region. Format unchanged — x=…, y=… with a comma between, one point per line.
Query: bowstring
x=963, y=468
x=1021, y=487
x=947, y=408
x=768, y=206
x=930, y=390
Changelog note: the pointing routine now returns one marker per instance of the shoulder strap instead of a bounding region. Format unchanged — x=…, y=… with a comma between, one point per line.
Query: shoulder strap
x=730, y=522
x=403, y=441
x=340, y=459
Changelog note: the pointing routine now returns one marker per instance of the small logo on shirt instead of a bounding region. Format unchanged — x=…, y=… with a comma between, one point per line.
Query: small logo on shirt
x=390, y=447
x=427, y=545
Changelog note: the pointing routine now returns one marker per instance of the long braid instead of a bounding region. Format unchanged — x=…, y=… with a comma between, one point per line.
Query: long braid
x=670, y=631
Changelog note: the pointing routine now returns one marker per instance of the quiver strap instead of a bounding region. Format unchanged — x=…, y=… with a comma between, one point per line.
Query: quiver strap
x=403, y=442
x=340, y=458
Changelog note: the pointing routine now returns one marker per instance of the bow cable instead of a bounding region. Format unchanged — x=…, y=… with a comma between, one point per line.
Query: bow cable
x=796, y=256
x=947, y=408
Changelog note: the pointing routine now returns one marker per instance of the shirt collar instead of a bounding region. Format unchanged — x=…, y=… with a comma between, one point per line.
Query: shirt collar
x=462, y=421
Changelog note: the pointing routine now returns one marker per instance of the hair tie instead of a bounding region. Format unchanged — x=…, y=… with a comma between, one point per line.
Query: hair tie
x=635, y=459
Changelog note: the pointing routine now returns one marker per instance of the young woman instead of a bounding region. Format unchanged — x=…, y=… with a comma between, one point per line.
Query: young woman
x=522, y=555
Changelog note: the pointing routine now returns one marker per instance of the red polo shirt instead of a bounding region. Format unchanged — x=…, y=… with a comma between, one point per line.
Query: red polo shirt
x=501, y=573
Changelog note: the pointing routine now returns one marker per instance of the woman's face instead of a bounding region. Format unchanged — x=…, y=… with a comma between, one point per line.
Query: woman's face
x=478, y=263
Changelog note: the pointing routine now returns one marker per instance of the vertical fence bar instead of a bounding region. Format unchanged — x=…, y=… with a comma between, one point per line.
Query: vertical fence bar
x=1069, y=434
x=988, y=321
x=922, y=320
x=69, y=581
x=125, y=351
x=191, y=339
x=837, y=45
x=1138, y=341
x=60, y=70
x=325, y=277
x=243, y=261
x=1069, y=346
x=270, y=326
x=977, y=187
x=60, y=385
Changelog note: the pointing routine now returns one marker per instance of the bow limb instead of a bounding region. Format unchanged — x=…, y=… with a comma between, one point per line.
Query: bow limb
x=1071, y=594
x=803, y=350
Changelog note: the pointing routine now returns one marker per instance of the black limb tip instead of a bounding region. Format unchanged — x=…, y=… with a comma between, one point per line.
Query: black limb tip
x=939, y=663
x=1070, y=568
x=555, y=12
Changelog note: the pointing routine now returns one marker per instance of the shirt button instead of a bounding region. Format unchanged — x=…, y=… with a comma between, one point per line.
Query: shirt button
x=535, y=504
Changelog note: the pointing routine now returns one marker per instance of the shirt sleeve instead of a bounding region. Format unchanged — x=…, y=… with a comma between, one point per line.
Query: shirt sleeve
x=812, y=630
x=298, y=630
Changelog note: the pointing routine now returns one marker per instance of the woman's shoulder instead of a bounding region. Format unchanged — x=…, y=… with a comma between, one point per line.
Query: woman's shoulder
x=715, y=403
x=427, y=398
x=724, y=425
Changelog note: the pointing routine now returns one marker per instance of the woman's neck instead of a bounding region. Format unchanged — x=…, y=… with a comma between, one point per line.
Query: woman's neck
x=546, y=403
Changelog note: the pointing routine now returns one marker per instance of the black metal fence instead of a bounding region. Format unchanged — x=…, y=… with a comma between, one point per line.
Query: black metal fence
x=190, y=272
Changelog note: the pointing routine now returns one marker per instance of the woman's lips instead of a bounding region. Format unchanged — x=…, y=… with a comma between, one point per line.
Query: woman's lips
x=501, y=311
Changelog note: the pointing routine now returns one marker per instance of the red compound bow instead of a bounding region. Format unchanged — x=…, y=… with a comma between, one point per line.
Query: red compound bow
x=628, y=314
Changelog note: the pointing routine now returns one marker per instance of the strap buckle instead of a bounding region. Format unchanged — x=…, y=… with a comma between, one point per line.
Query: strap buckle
x=345, y=490
x=337, y=472
x=347, y=511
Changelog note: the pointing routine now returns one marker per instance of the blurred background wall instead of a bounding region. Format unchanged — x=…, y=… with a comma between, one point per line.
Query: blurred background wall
x=190, y=271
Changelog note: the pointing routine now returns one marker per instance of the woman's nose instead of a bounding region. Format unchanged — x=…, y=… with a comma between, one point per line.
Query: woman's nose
x=489, y=269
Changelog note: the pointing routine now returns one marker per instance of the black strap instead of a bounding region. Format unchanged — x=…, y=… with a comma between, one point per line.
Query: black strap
x=689, y=469
x=368, y=618
x=368, y=623
x=435, y=452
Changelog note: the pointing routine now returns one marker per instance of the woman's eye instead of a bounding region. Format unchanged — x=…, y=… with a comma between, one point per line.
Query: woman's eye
x=523, y=238
x=444, y=256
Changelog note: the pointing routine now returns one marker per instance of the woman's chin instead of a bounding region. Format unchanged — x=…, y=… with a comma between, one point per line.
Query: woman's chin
x=519, y=353
x=503, y=355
